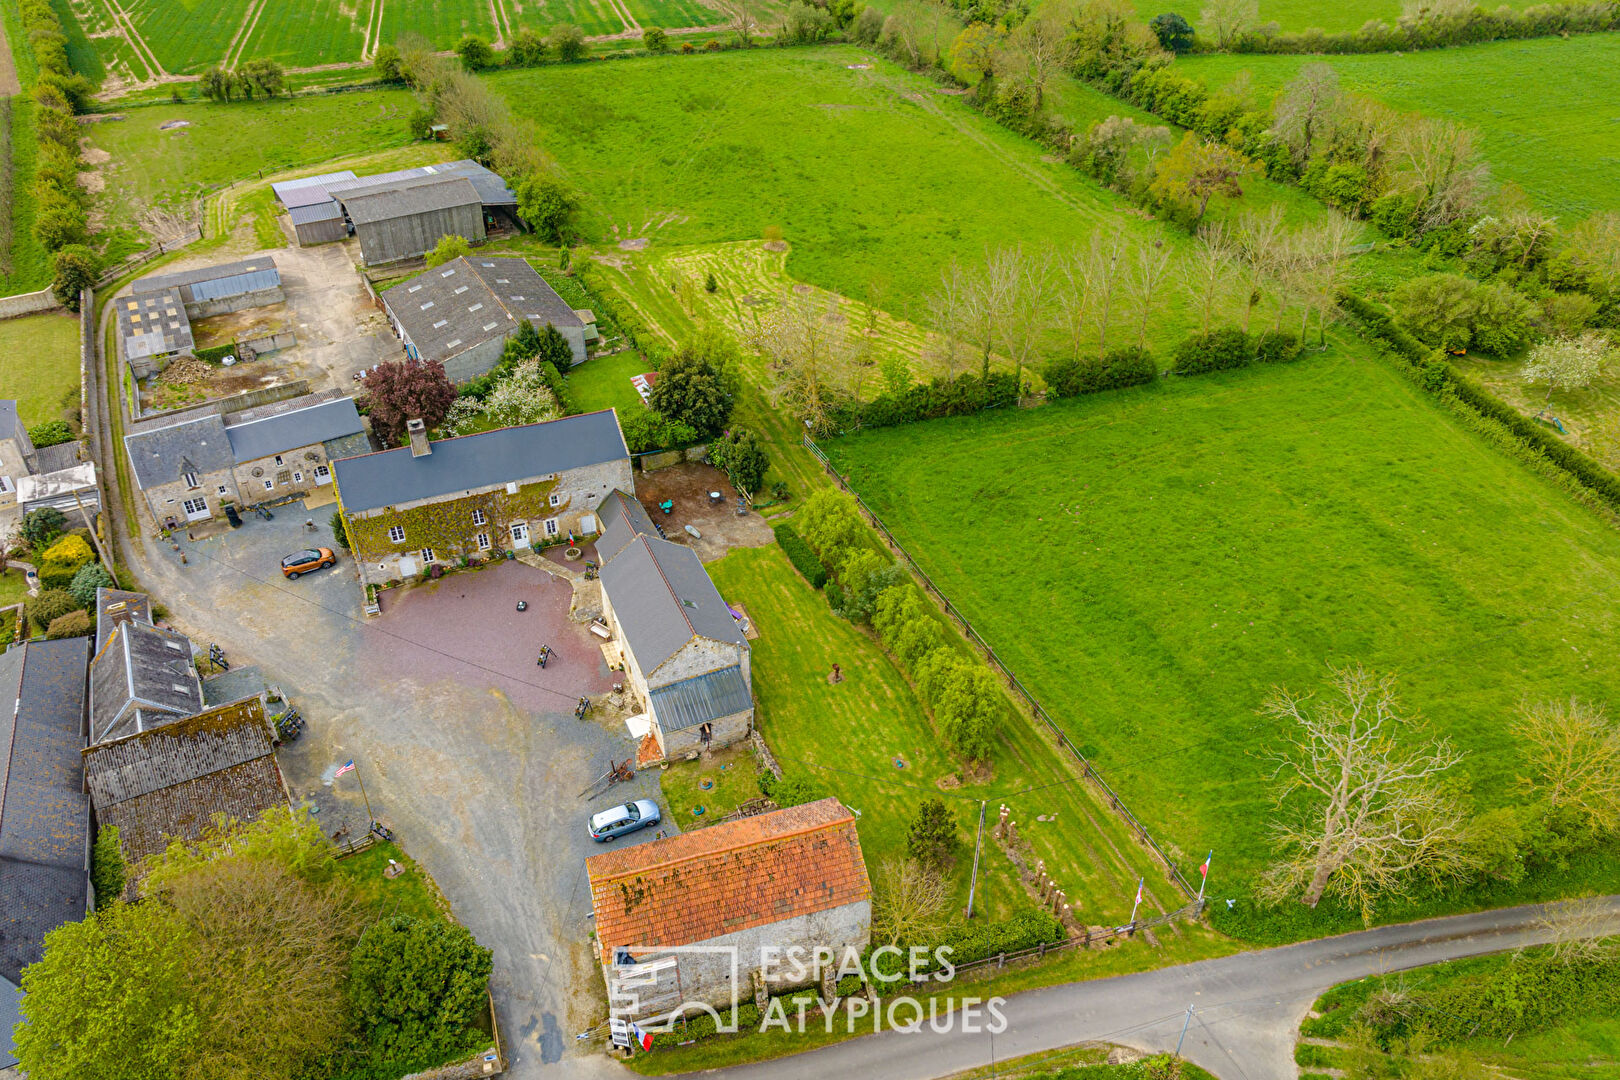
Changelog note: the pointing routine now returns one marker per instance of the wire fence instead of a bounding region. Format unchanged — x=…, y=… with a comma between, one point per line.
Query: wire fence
x=1089, y=771
x=1089, y=938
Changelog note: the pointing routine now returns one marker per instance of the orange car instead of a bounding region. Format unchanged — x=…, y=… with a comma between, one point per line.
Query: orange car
x=304, y=561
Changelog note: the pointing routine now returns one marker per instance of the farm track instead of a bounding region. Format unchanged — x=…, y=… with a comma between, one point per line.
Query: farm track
x=503, y=23
x=368, y=50
x=9, y=84
x=244, y=32
x=143, y=52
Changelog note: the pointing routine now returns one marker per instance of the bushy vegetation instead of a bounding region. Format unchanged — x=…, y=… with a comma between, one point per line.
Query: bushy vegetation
x=799, y=554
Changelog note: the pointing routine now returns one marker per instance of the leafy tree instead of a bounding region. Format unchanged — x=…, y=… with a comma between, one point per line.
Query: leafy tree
x=386, y=64
x=74, y=268
x=448, y=248
x=527, y=48
x=869, y=26
x=67, y=553
x=524, y=344
x=645, y=430
x=977, y=50
x=552, y=348
x=655, y=40
x=60, y=227
x=109, y=1000
x=418, y=985
x=568, y=42
x=966, y=702
x=696, y=390
x=40, y=527
x=108, y=872
x=73, y=624
x=50, y=605
x=340, y=535
x=805, y=23
x=740, y=454
x=1175, y=33
x=1196, y=170
x=932, y=837
x=547, y=204
x=831, y=525
x=863, y=575
x=1439, y=309
x=90, y=577
x=421, y=122
x=475, y=52
x=217, y=84
x=401, y=390
x=1574, y=750
x=1566, y=363
x=262, y=77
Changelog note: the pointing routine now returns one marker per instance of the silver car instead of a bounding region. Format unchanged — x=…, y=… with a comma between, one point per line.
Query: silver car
x=610, y=824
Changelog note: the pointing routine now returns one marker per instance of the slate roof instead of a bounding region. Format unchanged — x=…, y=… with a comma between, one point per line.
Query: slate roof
x=459, y=465
x=623, y=519
x=402, y=198
x=143, y=676
x=719, y=880
x=10, y=1017
x=662, y=598
x=313, y=421
x=153, y=324
x=114, y=606
x=44, y=819
x=701, y=699
x=49, y=459
x=11, y=426
x=169, y=782
x=168, y=449
x=253, y=268
x=467, y=301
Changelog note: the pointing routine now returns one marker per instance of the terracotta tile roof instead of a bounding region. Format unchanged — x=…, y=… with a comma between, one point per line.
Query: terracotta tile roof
x=725, y=878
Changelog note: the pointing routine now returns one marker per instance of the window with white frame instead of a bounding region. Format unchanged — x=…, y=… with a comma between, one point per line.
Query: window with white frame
x=6, y=486
x=483, y=541
x=222, y=490
x=191, y=480
x=278, y=461
x=269, y=484
x=551, y=526
x=555, y=499
x=396, y=533
x=298, y=477
x=427, y=555
x=478, y=517
x=195, y=506
x=323, y=473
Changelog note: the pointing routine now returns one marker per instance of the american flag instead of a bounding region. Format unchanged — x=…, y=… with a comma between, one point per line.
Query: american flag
x=347, y=767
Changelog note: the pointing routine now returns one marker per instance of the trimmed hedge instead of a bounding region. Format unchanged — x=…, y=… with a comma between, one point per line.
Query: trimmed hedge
x=1130, y=366
x=216, y=353
x=1218, y=350
x=1276, y=347
x=961, y=396
x=799, y=554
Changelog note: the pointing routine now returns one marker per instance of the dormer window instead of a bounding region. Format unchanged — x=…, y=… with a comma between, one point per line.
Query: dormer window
x=278, y=461
x=191, y=480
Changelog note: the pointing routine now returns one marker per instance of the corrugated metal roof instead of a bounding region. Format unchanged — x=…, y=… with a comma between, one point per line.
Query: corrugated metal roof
x=224, y=271
x=326, y=210
x=288, y=431
x=236, y=285
x=308, y=189
x=700, y=699
x=383, y=202
x=458, y=465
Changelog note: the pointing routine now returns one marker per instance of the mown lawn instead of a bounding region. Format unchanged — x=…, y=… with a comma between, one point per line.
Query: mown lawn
x=1544, y=108
x=1152, y=562
x=39, y=364
x=411, y=893
x=604, y=382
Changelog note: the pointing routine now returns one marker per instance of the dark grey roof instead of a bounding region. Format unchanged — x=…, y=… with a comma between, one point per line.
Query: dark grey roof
x=288, y=430
x=402, y=198
x=44, y=818
x=10, y=1016
x=459, y=465
x=623, y=519
x=233, y=685
x=329, y=210
x=49, y=459
x=467, y=301
x=492, y=190
x=223, y=272
x=142, y=676
x=11, y=425
x=169, y=449
x=141, y=763
x=700, y=699
x=114, y=606
x=153, y=324
x=348, y=446
x=308, y=189
x=662, y=598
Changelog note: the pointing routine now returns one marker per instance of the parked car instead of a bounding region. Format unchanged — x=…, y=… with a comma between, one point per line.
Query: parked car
x=303, y=562
x=610, y=824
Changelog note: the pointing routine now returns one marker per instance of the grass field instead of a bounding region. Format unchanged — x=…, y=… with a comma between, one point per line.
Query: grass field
x=1544, y=108
x=1330, y=15
x=310, y=32
x=187, y=37
x=592, y=16
x=1194, y=544
x=39, y=364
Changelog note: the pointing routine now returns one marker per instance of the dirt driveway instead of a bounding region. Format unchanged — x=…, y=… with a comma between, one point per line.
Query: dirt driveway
x=467, y=749
x=688, y=486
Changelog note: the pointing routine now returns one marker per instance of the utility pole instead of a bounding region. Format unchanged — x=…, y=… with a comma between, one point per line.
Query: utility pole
x=977, y=844
x=1183, y=1034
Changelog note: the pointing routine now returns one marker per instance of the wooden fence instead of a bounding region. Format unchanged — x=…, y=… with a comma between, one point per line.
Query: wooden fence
x=1089, y=771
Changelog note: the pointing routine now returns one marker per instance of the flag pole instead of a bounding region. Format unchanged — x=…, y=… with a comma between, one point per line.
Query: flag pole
x=1205, y=868
x=372, y=817
x=1138, y=902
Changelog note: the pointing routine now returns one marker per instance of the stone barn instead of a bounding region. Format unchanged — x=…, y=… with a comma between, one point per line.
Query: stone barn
x=219, y=290
x=690, y=918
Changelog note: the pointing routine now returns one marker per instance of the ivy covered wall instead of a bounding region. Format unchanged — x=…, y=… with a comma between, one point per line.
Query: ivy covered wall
x=447, y=527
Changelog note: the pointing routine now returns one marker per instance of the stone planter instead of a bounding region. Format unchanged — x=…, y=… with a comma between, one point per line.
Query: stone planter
x=573, y=554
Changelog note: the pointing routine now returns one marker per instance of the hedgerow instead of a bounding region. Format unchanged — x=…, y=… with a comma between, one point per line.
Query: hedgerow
x=799, y=554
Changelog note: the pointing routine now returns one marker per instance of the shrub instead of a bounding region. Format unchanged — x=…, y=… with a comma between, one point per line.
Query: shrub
x=475, y=53
x=418, y=985
x=568, y=42
x=1218, y=350
x=50, y=605
x=86, y=580
x=932, y=837
x=976, y=940
x=73, y=624
x=1130, y=366
x=655, y=40
x=73, y=269
x=40, y=527
x=961, y=396
x=107, y=869
x=645, y=430
x=863, y=576
x=340, y=535
x=1276, y=347
x=67, y=552
x=50, y=433
x=799, y=554
x=795, y=791
x=831, y=525
x=386, y=64
x=740, y=454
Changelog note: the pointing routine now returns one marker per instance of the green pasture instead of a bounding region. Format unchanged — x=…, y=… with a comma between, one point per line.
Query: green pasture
x=1544, y=108
x=39, y=364
x=1333, y=16
x=442, y=22
x=310, y=32
x=1152, y=562
x=676, y=13
x=592, y=16
x=185, y=37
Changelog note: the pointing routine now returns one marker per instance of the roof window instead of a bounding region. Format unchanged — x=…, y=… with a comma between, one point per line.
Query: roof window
x=441, y=322
x=452, y=343
x=449, y=273
x=427, y=305
x=475, y=307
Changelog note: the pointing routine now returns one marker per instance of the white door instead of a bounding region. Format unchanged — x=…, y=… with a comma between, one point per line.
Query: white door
x=196, y=509
x=407, y=566
x=323, y=474
x=520, y=534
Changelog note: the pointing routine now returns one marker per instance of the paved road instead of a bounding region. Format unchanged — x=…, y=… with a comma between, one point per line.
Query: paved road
x=1247, y=1007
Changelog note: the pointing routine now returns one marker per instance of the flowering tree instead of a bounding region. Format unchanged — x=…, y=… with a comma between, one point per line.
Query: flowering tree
x=523, y=396
x=1567, y=362
x=402, y=390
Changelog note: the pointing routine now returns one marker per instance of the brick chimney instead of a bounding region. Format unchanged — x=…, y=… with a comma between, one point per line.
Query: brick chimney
x=419, y=440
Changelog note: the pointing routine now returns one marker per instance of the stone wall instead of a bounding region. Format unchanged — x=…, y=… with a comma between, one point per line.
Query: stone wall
x=286, y=339
x=723, y=732
x=202, y=309
x=294, y=476
x=699, y=656
x=166, y=501
x=265, y=395
x=27, y=303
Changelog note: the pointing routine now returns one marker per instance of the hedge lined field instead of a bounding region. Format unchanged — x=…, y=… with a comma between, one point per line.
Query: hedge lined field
x=1152, y=562
x=188, y=38
x=1544, y=108
x=310, y=32
x=676, y=13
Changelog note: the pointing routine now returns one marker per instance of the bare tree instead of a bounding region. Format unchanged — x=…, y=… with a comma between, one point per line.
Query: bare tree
x=743, y=24
x=1206, y=274
x=1074, y=297
x=1147, y=278
x=1326, y=248
x=910, y=902
x=988, y=300
x=1029, y=292
x=1254, y=245
x=1579, y=931
x=1042, y=47
x=1103, y=272
x=1574, y=749
x=1368, y=813
x=1439, y=162
x=949, y=310
x=1595, y=245
x=1226, y=19
x=806, y=338
x=1306, y=108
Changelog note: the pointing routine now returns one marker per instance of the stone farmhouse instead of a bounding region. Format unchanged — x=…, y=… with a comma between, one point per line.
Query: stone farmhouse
x=461, y=313
x=477, y=495
x=31, y=477
x=44, y=815
x=687, y=918
x=686, y=659
x=191, y=465
x=154, y=321
x=168, y=782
